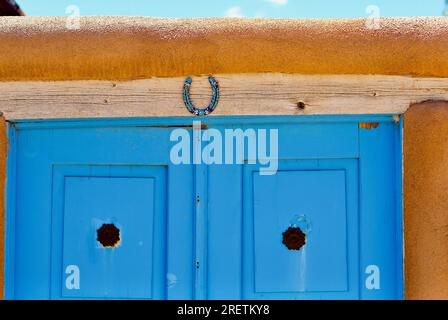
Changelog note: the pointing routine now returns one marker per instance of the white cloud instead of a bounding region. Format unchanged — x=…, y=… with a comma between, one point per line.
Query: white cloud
x=235, y=12
x=278, y=2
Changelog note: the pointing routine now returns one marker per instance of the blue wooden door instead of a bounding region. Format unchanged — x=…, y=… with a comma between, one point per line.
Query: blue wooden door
x=98, y=209
x=336, y=181
x=72, y=181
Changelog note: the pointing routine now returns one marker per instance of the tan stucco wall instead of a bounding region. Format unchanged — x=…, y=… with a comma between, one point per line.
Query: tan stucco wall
x=426, y=200
x=140, y=47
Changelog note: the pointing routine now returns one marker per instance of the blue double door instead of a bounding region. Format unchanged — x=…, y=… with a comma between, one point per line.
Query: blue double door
x=148, y=209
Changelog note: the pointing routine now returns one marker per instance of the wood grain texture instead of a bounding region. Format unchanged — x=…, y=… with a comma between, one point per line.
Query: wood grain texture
x=255, y=94
x=426, y=200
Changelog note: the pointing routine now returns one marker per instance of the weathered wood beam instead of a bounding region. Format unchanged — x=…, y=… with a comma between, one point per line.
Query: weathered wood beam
x=242, y=94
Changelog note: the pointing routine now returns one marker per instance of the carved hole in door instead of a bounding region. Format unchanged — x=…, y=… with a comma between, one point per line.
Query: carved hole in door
x=108, y=235
x=294, y=238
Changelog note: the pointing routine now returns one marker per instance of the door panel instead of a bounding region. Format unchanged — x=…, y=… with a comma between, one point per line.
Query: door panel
x=93, y=207
x=333, y=189
x=319, y=197
x=314, y=201
x=87, y=177
x=127, y=200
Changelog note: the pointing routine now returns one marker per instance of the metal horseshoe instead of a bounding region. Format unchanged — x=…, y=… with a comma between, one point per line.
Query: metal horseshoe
x=213, y=103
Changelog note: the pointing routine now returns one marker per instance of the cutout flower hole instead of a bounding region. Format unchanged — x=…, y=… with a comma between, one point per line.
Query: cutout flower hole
x=294, y=238
x=108, y=235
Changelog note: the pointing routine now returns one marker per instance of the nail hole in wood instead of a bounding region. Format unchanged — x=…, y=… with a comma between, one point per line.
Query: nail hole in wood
x=301, y=105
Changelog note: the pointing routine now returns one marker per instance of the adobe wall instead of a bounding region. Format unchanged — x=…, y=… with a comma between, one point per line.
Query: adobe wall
x=426, y=200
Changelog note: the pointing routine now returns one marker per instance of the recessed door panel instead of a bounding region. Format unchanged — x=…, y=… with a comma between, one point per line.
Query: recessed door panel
x=301, y=231
x=307, y=202
x=108, y=235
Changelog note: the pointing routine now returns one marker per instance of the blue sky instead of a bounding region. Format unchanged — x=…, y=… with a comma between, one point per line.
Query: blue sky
x=247, y=8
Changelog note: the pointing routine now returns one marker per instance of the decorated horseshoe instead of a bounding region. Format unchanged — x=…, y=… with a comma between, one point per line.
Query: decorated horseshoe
x=213, y=103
